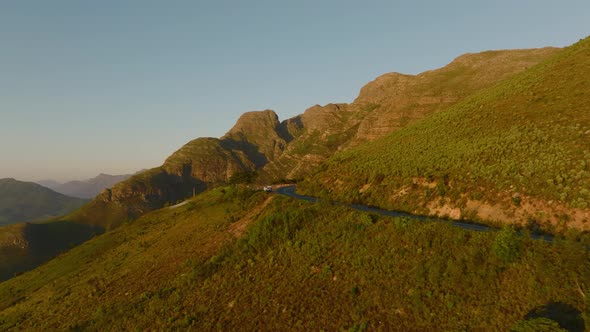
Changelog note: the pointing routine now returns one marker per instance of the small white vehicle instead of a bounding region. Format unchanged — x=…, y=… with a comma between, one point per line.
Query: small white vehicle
x=268, y=189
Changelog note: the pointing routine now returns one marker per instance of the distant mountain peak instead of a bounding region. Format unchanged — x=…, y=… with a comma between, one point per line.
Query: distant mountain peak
x=85, y=188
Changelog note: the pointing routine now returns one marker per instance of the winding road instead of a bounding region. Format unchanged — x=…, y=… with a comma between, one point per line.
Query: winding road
x=290, y=192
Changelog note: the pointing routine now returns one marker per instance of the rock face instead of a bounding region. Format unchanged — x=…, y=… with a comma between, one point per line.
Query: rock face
x=398, y=100
x=515, y=153
x=259, y=135
x=292, y=148
x=255, y=140
x=275, y=150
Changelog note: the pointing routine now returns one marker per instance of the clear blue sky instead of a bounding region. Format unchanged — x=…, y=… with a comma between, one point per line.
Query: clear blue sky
x=116, y=86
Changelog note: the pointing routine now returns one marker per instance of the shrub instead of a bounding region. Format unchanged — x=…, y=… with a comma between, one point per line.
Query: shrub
x=507, y=245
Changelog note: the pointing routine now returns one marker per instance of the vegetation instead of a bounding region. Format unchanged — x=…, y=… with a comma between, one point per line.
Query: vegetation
x=237, y=259
x=298, y=266
x=243, y=177
x=25, y=246
x=525, y=140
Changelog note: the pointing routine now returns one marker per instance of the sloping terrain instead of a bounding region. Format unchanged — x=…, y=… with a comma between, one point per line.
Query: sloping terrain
x=27, y=201
x=404, y=99
x=261, y=145
x=202, y=163
x=263, y=149
x=24, y=246
x=390, y=102
x=517, y=152
x=298, y=266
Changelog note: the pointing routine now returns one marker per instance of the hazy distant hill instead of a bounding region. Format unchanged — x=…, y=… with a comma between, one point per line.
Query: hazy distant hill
x=27, y=201
x=85, y=188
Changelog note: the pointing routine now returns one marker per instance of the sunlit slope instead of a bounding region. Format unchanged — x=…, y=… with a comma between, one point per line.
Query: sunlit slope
x=519, y=151
x=239, y=260
x=391, y=102
x=276, y=150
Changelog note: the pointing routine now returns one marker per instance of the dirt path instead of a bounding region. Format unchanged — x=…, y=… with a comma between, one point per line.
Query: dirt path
x=238, y=228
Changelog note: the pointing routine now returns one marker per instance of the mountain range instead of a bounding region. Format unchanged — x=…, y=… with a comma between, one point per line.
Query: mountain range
x=278, y=151
x=498, y=137
x=516, y=153
x=290, y=149
x=86, y=189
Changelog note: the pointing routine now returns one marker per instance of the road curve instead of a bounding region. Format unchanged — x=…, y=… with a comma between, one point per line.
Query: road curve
x=290, y=192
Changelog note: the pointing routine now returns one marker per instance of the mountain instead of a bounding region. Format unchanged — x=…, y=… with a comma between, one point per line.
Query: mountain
x=262, y=149
x=518, y=152
x=391, y=102
x=51, y=184
x=234, y=259
x=27, y=201
x=87, y=189
x=273, y=150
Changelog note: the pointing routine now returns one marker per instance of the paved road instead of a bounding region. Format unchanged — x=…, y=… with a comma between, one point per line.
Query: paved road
x=290, y=191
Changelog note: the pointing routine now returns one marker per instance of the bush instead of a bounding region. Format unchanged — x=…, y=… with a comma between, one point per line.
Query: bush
x=243, y=177
x=507, y=245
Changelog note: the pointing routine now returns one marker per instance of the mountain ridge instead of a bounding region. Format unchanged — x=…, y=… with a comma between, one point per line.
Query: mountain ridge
x=261, y=149
x=86, y=189
x=513, y=153
x=27, y=201
x=276, y=150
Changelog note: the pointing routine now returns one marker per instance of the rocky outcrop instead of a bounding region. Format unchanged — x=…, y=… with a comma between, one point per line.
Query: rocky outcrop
x=395, y=100
x=258, y=135
x=292, y=148
x=257, y=138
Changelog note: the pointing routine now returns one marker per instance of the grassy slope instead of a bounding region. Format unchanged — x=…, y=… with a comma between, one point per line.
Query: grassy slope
x=298, y=267
x=27, y=201
x=392, y=101
x=527, y=137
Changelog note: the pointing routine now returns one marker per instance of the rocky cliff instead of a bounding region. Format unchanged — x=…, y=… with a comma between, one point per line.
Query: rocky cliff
x=290, y=149
x=400, y=99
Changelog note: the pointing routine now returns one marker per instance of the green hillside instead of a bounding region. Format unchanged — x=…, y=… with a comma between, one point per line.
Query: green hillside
x=517, y=152
x=259, y=143
x=27, y=201
x=232, y=259
x=236, y=259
